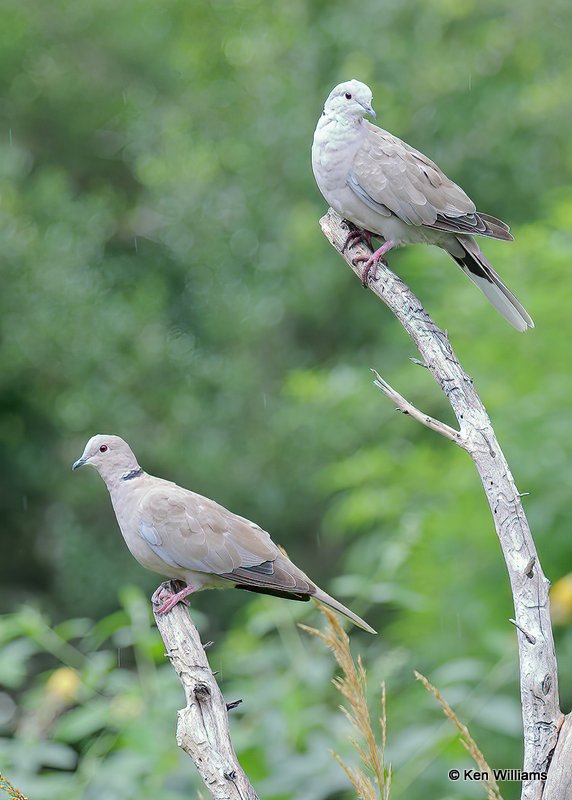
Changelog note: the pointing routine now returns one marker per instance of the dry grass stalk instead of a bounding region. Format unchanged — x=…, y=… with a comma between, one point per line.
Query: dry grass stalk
x=352, y=685
x=13, y=793
x=490, y=785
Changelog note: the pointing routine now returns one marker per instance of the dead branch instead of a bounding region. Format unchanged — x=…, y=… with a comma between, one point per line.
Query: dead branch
x=538, y=670
x=202, y=727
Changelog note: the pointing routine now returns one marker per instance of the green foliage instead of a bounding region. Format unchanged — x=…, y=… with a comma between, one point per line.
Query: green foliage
x=164, y=278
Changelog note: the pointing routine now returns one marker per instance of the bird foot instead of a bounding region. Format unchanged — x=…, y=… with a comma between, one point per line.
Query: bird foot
x=168, y=594
x=356, y=235
x=372, y=261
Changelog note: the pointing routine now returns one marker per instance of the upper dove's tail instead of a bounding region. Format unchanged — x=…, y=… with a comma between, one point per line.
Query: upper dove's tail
x=477, y=268
x=325, y=598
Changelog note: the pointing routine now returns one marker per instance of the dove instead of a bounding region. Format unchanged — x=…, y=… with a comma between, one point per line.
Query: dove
x=187, y=537
x=393, y=192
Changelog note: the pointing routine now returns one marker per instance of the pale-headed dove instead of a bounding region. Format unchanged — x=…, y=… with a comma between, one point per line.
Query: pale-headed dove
x=391, y=191
x=180, y=534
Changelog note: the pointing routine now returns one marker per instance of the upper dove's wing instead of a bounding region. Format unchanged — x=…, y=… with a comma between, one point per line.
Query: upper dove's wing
x=390, y=176
x=192, y=532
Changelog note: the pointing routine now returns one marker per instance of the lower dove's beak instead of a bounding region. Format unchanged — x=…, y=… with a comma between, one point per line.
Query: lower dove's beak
x=79, y=463
x=370, y=111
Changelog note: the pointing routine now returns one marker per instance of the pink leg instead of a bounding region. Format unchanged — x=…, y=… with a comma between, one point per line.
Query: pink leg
x=166, y=597
x=373, y=260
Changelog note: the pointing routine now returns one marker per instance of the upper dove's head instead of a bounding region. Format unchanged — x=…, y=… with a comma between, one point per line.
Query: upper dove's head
x=110, y=455
x=351, y=99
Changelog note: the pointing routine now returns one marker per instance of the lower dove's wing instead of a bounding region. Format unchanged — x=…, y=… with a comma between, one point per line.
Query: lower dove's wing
x=388, y=174
x=191, y=532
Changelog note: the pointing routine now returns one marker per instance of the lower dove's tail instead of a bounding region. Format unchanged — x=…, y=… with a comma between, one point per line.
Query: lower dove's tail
x=337, y=606
x=477, y=268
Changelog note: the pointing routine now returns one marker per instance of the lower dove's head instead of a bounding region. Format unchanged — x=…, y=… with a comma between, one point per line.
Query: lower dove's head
x=110, y=455
x=350, y=100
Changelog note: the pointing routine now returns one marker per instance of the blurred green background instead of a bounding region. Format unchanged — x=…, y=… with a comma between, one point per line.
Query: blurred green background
x=163, y=277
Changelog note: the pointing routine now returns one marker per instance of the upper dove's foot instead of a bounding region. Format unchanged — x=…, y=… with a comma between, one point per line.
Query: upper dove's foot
x=372, y=262
x=168, y=594
x=356, y=235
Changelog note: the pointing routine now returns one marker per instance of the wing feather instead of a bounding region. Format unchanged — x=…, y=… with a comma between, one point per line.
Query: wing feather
x=192, y=532
x=189, y=531
x=391, y=177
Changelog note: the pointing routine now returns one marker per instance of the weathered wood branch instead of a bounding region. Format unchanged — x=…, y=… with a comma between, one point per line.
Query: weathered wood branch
x=202, y=727
x=559, y=781
x=541, y=713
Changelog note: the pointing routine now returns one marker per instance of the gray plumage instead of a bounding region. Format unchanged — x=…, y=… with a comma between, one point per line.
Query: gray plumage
x=185, y=536
x=388, y=188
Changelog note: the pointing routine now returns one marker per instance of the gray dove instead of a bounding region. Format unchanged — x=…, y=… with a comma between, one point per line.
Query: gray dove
x=392, y=191
x=180, y=534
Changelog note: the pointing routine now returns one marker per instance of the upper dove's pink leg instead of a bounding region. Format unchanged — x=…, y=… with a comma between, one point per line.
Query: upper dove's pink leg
x=165, y=596
x=373, y=260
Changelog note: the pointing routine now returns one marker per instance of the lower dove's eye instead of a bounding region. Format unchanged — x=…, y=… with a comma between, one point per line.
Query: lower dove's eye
x=348, y=96
x=103, y=448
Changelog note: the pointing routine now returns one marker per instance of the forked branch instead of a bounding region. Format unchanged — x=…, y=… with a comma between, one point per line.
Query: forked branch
x=541, y=714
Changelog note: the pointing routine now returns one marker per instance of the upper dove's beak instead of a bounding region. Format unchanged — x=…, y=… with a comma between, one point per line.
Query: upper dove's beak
x=79, y=463
x=370, y=111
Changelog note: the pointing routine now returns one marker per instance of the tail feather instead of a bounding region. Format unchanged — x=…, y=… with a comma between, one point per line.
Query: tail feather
x=477, y=268
x=325, y=598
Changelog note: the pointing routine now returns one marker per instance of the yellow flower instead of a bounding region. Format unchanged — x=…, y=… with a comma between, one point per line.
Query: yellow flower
x=561, y=600
x=63, y=685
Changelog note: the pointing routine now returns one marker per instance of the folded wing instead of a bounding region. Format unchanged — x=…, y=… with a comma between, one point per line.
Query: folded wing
x=192, y=532
x=391, y=177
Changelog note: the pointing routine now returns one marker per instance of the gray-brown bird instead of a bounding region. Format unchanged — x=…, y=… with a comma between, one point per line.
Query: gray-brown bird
x=182, y=535
x=390, y=190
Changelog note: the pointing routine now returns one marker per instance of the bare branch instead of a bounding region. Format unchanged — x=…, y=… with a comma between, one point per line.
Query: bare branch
x=538, y=671
x=559, y=782
x=406, y=407
x=202, y=727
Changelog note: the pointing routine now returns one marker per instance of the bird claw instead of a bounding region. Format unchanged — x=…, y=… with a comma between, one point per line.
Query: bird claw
x=356, y=235
x=372, y=261
x=168, y=594
x=370, y=268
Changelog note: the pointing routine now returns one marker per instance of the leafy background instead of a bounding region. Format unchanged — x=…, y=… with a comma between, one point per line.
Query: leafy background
x=164, y=278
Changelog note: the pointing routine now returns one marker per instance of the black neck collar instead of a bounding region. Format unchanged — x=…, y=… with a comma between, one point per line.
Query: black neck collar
x=135, y=473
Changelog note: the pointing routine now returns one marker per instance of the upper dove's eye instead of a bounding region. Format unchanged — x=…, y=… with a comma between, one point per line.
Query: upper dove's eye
x=103, y=448
x=348, y=96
